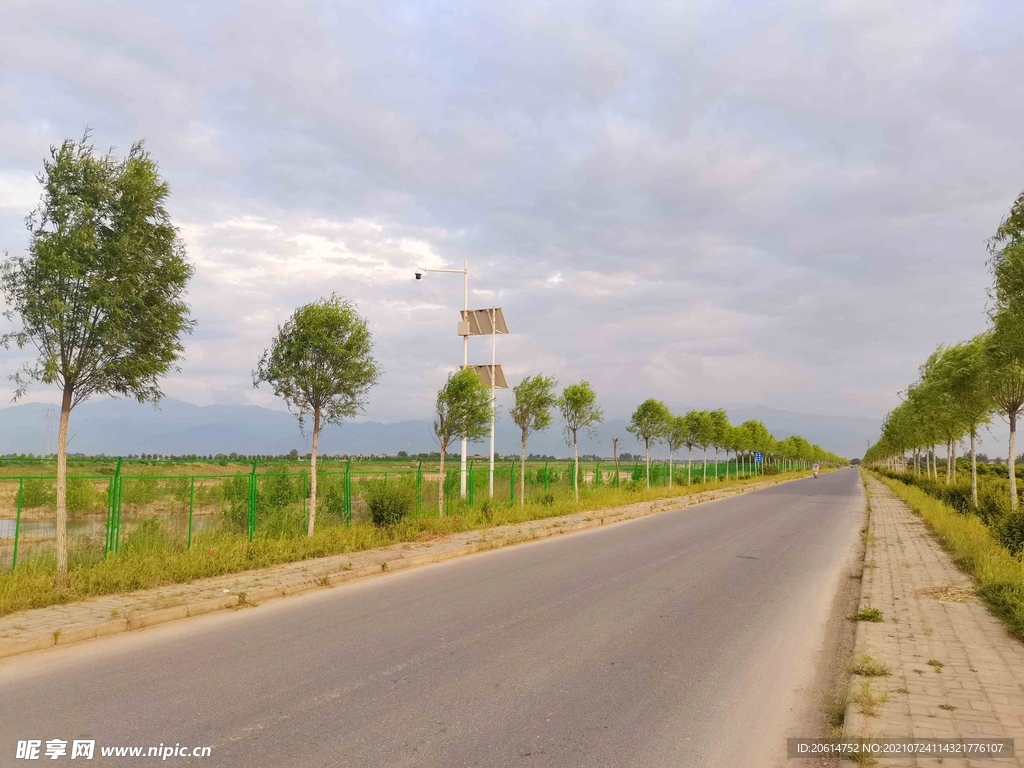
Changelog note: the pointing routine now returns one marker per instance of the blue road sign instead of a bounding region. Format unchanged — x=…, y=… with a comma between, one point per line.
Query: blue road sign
x=758, y=457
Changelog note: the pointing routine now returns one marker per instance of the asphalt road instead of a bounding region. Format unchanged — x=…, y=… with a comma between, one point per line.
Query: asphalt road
x=682, y=639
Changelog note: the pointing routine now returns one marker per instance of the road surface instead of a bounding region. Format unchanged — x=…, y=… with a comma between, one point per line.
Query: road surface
x=686, y=638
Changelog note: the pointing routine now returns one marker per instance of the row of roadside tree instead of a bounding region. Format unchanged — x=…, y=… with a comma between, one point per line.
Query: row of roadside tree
x=962, y=386
x=100, y=296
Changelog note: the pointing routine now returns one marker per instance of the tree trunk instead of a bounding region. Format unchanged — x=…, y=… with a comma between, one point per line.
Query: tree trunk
x=647, y=449
x=440, y=483
x=705, y=480
x=312, y=473
x=1012, y=461
x=522, y=475
x=974, y=470
x=689, y=464
x=670, y=452
x=952, y=473
x=615, y=455
x=62, y=489
x=575, y=467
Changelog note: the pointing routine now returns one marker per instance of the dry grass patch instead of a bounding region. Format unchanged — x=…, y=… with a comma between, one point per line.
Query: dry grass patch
x=866, y=666
x=868, y=700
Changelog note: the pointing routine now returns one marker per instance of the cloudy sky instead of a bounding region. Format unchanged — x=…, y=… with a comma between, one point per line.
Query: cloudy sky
x=714, y=203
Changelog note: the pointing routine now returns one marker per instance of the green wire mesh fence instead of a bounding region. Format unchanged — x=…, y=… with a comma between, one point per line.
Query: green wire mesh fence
x=118, y=504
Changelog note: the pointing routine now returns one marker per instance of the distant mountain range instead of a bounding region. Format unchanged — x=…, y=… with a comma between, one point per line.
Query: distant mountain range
x=120, y=427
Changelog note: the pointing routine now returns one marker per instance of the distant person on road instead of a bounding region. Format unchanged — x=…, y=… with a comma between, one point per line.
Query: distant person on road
x=815, y=468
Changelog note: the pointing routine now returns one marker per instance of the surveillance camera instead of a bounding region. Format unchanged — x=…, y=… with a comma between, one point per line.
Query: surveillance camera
x=419, y=274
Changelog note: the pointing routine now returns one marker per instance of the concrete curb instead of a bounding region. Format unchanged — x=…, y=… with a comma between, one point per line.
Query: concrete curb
x=859, y=637
x=255, y=597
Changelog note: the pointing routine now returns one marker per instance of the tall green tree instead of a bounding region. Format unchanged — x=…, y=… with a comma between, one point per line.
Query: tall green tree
x=321, y=364
x=1006, y=341
x=705, y=435
x=650, y=424
x=534, y=399
x=578, y=407
x=675, y=438
x=1006, y=382
x=758, y=438
x=720, y=428
x=962, y=369
x=462, y=411
x=692, y=422
x=100, y=295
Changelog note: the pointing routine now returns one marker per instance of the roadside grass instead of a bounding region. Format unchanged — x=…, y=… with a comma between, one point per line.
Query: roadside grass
x=865, y=666
x=868, y=613
x=868, y=700
x=835, y=711
x=971, y=545
x=152, y=559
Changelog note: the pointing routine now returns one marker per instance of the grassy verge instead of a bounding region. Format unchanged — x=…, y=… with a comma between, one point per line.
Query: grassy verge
x=998, y=574
x=149, y=560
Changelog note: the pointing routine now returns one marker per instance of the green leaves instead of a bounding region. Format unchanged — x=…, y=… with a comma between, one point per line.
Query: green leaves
x=578, y=406
x=534, y=399
x=321, y=361
x=650, y=422
x=463, y=408
x=100, y=294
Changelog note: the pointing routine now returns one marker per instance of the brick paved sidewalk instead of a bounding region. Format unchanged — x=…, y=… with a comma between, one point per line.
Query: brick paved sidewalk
x=956, y=671
x=41, y=628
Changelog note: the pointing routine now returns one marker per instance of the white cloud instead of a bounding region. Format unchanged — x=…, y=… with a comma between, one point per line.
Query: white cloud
x=785, y=202
x=18, y=191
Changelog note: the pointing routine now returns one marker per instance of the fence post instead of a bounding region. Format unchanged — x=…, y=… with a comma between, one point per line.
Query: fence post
x=512, y=483
x=597, y=475
x=108, y=541
x=419, y=486
x=118, y=488
x=348, y=492
x=305, y=506
x=252, y=502
x=470, y=495
x=17, y=522
x=191, y=504
x=545, y=475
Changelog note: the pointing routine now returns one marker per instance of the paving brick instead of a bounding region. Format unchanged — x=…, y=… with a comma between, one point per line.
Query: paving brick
x=983, y=676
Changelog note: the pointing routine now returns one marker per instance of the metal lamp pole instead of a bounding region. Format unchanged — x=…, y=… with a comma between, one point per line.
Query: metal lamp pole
x=494, y=335
x=465, y=349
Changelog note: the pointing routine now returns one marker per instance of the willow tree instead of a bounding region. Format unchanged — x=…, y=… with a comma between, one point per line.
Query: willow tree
x=462, y=412
x=531, y=412
x=579, y=410
x=675, y=438
x=704, y=425
x=961, y=368
x=321, y=364
x=650, y=424
x=1005, y=374
x=720, y=427
x=1005, y=343
x=100, y=293
x=691, y=438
